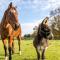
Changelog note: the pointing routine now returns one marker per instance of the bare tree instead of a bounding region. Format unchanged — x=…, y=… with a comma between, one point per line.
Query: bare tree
x=55, y=21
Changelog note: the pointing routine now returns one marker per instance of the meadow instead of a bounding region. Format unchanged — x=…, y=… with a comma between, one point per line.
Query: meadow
x=29, y=53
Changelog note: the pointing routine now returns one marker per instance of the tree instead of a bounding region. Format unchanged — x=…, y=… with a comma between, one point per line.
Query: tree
x=27, y=37
x=35, y=29
x=55, y=12
x=55, y=22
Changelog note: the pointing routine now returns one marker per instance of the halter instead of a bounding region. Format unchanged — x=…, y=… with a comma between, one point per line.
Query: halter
x=44, y=33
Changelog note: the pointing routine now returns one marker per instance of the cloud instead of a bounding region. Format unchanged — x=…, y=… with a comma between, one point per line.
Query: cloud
x=27, y=28
x=53, y=4
x=36, y=5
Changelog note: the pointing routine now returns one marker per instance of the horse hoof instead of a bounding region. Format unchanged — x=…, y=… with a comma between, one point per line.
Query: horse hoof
x=43, y=59
x=20, y=52
x=6, y=58
x=46, y=48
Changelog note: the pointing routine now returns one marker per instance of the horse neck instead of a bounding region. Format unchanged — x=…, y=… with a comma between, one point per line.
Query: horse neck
x=4, y=21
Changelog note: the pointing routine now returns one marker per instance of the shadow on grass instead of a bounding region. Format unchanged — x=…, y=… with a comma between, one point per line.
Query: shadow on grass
x=29, y=59
x=15, y=53
x=1, y=56
x=25, y=58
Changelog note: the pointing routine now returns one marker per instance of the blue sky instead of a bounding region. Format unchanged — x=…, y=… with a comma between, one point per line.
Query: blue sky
x=31, y=12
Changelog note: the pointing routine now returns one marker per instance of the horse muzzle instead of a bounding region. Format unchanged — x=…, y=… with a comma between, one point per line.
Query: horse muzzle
x=51, y=36
x=16, y=26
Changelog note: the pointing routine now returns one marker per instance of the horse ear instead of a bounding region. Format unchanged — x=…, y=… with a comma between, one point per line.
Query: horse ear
x=10, y=5
x=45, y=21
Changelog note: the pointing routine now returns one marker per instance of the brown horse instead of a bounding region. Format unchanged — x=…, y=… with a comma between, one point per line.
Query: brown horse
x=41, y=39
x=17, y=34
x=10, y=28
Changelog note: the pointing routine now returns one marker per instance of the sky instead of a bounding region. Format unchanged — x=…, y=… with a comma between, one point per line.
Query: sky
x=30, y=12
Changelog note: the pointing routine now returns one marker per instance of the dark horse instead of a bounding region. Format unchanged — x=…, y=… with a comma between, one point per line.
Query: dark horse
x=41, y=39
x=10, y=27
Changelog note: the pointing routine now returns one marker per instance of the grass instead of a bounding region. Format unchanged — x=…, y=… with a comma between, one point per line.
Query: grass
x=29, y=53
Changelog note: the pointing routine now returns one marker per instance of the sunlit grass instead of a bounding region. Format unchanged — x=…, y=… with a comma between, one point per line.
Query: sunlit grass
x=29, y=53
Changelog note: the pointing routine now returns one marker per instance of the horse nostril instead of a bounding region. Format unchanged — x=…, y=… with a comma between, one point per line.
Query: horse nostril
x=17, y=26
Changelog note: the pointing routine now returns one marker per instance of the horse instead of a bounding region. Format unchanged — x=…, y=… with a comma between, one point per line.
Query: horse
x=17, y=34
x=40, y=41
x=10, y=27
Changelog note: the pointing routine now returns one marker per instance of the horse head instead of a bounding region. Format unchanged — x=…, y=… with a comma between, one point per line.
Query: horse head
x=45, y=30
x=12, y=16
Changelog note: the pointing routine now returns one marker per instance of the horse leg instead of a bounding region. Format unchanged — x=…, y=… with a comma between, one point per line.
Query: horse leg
x=38, y=52
x=10, y=47
x=5, y=48
x=13, y=47
x=19, y=38
x=43, y=51
x=44, y=48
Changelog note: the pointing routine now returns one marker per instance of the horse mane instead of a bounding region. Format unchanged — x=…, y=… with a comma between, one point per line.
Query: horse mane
x=4, y=22
x=41, y=31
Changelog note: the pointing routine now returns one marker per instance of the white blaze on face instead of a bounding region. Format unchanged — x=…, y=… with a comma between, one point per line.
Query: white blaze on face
x=13, y=10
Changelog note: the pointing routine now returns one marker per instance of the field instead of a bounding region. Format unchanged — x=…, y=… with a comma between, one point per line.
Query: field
x=29, y=53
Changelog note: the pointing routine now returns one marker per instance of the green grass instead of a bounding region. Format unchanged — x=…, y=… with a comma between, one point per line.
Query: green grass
x=29, y=53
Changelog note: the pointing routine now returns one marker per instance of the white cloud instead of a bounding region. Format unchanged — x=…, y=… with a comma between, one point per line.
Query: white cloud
x=34, y=4
x=53, y=4
x=28, y=27
x=37, y=5
x=46, y=4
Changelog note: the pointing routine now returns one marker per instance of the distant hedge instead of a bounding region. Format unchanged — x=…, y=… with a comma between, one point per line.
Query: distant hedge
x=57, y=37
